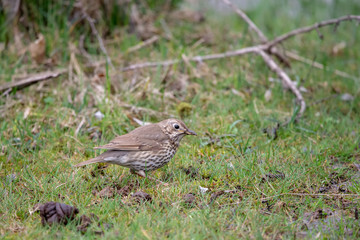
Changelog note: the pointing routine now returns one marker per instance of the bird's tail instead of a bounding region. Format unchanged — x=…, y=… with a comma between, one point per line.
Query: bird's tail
x=93, y=160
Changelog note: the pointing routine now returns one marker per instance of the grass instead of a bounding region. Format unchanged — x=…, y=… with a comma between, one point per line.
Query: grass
x=319, y=154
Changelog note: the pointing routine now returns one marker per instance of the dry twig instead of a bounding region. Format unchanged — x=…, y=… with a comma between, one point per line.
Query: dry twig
x=82, y=48
x=251, y=24
x=298, y=31
x=101, y=42
x=274, y=51
x=198, y=58
x=143, y=44
x=239, y=52
x=260, y=49
x=286, y=80
x=270, y=62
x=30, y=80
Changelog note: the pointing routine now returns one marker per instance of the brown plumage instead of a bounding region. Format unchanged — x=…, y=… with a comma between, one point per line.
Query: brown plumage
x=144, y=149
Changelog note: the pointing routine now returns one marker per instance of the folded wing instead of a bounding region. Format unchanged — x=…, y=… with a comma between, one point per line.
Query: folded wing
x=146, y=138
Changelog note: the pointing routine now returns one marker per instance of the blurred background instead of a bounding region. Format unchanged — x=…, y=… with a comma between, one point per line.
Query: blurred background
x=93, y=69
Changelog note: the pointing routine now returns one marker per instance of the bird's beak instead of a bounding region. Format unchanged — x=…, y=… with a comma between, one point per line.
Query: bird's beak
x=189, y=132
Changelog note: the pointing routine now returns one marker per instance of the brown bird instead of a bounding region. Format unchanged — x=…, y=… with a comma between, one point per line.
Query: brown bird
x=144, y=149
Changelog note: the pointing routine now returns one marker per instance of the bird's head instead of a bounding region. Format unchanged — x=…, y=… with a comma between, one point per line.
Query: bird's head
x=175, y=129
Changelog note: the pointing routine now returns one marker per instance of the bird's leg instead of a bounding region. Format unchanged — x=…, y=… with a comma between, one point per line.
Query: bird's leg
x=143, y=174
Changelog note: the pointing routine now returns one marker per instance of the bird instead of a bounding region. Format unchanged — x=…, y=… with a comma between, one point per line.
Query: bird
x=144, y=149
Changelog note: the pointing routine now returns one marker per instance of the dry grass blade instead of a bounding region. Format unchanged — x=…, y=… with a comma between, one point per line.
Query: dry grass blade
x=251, y=24
x=143, y=44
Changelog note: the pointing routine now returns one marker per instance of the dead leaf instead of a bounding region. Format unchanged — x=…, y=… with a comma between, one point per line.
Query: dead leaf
x=268, y=95
x=107, y=192
x=238, y=93
x=55, y=212
x=125, y=191
x=303, y=89
x=37, y=49
x=85, y=223
x=27, y=112
x=338, y=48
x=189, y=198
x=141, y=197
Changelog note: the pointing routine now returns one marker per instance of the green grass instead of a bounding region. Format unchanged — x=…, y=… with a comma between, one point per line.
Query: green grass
x=319, y=154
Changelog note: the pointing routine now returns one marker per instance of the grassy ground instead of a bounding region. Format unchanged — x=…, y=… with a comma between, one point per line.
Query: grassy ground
x=249, y=175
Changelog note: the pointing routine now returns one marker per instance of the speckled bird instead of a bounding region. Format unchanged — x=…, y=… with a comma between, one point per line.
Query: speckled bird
x=144, y=149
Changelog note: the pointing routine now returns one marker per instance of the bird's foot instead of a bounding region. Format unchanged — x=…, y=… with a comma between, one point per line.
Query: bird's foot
x=143, y=174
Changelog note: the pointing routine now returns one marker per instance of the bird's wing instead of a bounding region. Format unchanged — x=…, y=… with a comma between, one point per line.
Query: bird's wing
x=126, y=142
x=144, y=138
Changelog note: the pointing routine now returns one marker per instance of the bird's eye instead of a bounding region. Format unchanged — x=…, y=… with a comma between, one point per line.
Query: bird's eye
x=176, y=126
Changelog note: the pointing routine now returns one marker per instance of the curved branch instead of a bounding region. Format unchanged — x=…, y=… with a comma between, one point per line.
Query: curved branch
x=273, y=51
x=318, y=25
x=270, y=62
x=198, y=58
x=246, y=50
x=286, y=80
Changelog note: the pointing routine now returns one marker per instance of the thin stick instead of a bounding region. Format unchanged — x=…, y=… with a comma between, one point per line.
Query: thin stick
x=143, y=44
x=241, y=51
x=251, y=24
x=306, y=29
x=269, y=61
x=286, y=79
x=199, y=58
x=82, y=49
x=260, y=34
x=79, y=126
x=313, y=195
x=30, y=80
x=101, y=42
